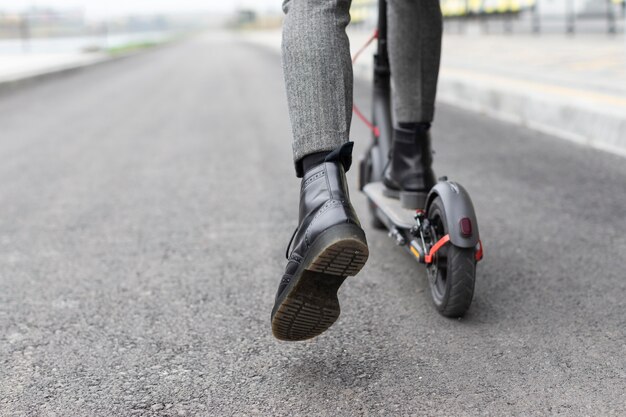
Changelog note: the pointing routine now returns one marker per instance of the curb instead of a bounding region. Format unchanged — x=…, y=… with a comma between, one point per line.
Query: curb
x=566, y=113
x=13, y=84
x=569, y=114
x=18, y=82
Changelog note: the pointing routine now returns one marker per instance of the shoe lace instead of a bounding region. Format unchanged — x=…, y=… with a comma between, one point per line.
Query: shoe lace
x=290, y=242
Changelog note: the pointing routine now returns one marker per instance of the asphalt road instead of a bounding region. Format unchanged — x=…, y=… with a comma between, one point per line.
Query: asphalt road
x=145, y=206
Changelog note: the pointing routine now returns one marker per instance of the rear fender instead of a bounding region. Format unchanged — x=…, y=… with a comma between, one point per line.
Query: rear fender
x=457, y=205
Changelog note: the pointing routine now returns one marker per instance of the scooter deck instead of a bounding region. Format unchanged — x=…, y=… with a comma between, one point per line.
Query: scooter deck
x=390, y=207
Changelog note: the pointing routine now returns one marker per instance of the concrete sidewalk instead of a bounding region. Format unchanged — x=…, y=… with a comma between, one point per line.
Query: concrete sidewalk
x=19, y=68
x=573, y=88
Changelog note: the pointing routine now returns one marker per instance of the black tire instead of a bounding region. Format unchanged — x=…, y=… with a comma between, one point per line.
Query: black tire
x=452, y=274
x=367, y=178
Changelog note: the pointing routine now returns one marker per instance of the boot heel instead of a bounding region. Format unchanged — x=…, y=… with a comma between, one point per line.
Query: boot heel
x=413, y=200
x=343, y=251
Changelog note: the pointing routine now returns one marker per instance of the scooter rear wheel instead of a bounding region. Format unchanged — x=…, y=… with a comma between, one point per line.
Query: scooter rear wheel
x=452, y=274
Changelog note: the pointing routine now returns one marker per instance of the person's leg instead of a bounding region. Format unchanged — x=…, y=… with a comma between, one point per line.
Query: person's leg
x=328, y=244
x=318, y=75
x=415, y=30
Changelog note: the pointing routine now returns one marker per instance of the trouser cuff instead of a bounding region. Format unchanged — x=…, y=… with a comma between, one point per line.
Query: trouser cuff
x=320, y=143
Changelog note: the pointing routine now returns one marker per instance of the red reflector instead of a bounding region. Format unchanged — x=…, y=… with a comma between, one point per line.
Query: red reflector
x=466, y=226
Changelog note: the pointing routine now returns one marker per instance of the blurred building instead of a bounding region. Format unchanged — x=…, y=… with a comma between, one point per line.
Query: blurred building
x=51, y=23
x=42, y=22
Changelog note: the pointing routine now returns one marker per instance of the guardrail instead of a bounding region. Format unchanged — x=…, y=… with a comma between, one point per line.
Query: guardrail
x=535, y=16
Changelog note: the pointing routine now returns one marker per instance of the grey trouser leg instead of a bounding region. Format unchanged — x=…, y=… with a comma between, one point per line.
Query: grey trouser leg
x=415, y=29
x=318, y=69
x=318, y=73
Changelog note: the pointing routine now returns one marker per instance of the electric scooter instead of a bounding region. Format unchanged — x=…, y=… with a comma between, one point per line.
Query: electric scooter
x=443, y=235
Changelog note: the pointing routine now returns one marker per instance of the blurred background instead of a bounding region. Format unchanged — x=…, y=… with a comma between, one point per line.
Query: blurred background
x=573, y=44
x=521, y=16
x=75, y=25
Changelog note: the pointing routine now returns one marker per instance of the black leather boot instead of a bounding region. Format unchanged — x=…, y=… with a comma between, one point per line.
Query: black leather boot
x=409, y=175
x=327, y=246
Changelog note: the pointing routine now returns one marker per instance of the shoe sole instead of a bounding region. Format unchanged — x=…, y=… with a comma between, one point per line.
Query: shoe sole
x=310, y=304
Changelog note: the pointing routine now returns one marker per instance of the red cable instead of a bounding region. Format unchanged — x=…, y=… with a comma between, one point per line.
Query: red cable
x=436, y=247
x=367, y=43
x=375, y=130
x=355, y=109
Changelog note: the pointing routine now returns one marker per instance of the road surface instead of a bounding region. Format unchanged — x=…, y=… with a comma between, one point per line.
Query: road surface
x=145, y=206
